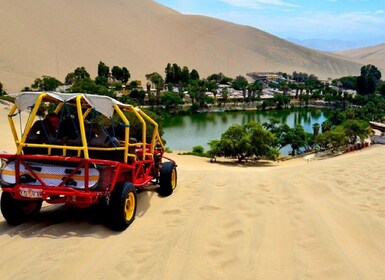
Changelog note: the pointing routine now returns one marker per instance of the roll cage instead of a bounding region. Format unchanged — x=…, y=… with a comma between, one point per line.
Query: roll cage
x=92, y=120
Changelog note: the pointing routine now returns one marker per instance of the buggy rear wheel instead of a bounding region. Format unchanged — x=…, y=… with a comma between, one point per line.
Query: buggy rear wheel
x=168, y=179
x=17, y=211
x=122, y=206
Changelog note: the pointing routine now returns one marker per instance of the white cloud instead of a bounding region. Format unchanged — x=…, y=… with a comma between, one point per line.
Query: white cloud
x=256, y=4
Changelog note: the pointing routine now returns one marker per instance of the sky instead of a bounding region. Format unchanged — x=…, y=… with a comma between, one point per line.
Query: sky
x=356, y=23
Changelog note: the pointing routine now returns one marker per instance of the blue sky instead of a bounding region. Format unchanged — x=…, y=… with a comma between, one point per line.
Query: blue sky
x=355, y=21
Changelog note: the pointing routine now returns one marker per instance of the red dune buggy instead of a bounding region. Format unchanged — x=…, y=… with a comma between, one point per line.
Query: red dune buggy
x=82, y=149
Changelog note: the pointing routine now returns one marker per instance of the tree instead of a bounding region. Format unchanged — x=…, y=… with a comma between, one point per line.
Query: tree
x=382, y=89
x=349, y=82
x=125, y=75
x=46, y=83
x=70, y=78
x=157, y=80
x=316, y=127
x=103, y=70
x=116, y=73
x=243, y=142
x=120, y=74
x=326, y=126
x=333, y=139
x=101, y=80
x=355, y=129
x=369, y=79
x=240, y=83
x=261, y=142
x=194, y=75
x=87, y=85
x=296, y=138
x=140, y=95
x=170, y=99
x=185, y=75
x=81, y=73
x=280, y=131
x=225, y=95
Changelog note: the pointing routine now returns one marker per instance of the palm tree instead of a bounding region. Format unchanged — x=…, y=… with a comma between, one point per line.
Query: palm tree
x=157, y=80
x=316, y=127
x=326, y=126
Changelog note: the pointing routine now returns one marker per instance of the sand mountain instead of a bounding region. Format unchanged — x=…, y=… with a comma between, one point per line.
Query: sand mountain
x=370, y=55
x=53, y=37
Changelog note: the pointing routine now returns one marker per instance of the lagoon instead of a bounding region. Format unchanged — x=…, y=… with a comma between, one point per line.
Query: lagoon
x=182, y=133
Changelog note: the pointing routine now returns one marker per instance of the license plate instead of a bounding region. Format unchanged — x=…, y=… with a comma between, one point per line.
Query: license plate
x=31, y=193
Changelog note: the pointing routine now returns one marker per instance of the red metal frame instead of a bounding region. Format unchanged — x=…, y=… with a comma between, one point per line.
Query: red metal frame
x=140, y=173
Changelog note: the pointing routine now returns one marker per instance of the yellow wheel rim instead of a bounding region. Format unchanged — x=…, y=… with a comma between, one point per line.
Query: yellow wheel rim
x=130, y=206
x=173, y=179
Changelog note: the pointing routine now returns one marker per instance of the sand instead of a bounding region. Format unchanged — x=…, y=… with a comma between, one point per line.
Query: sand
x=298, y=219
x=374, y=55
x=55, y=37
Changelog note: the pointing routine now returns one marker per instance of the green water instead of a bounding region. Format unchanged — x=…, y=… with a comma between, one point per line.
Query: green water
x=184, y=132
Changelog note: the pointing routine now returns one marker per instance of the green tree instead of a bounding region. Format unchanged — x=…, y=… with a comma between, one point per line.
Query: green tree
x=316, y=128
x=296, y=138
x=138, y=95
x=333, y=139
x=103, y=70
x=170, y=99
x=369, y=79
x=87, y=85
x=116, y=73
x=355, y=129
x=243, y=142
x=81, y=73
x=125, y=75
x=382, y=89
x=194, y=75
x=225, y=95
x=46, y=83
x=157, y=80
x=185, y=75
x=101, y=80
x=120, y=74
x=280, y=131
x=240, y=83
x=70, y=78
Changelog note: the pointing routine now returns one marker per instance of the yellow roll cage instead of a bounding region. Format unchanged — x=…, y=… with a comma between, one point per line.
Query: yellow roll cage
x=84, y=104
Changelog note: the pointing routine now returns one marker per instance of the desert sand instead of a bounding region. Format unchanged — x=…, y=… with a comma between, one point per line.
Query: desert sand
x=298, y=219
x=55, y=37
x=370, y=55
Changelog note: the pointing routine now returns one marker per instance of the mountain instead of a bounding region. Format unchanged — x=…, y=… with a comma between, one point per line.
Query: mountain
x=53, y=37
x=374, y=55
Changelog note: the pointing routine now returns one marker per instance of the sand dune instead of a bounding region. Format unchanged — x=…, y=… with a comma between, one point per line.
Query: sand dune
x=323, y=219
x=370, y=55
x=54, y=37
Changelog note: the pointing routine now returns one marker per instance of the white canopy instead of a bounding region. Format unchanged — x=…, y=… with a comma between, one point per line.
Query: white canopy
x=101, y=103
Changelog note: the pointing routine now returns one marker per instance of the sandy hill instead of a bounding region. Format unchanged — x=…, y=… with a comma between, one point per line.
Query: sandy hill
x=370, y=55
x=54, y=37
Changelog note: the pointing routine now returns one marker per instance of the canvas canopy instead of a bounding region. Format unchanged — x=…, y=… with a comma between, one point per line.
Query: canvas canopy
x=100, y=103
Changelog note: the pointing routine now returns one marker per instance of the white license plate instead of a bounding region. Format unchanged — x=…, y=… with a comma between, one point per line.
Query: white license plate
x=31, y=193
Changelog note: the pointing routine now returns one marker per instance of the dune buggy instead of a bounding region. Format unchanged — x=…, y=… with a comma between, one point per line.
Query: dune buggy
x=81, y=150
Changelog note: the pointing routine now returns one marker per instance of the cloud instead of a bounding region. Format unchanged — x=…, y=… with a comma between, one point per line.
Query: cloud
x=257, y=4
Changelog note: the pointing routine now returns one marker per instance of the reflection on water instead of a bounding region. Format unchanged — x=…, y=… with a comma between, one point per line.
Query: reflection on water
x=184, y=132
